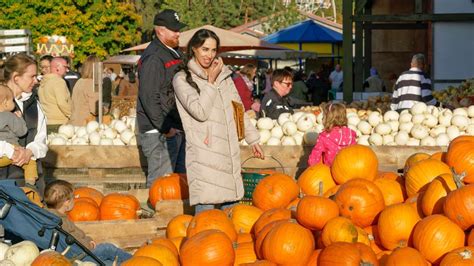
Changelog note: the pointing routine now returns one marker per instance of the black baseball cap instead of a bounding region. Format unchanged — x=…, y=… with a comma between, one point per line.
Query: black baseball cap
x=169, y=19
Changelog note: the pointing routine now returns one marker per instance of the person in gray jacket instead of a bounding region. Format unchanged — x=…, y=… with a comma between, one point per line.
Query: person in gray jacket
x=12, y=127
x=204, y=93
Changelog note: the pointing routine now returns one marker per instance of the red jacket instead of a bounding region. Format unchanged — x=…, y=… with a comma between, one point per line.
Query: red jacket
x=329, y=144
x=244, y=92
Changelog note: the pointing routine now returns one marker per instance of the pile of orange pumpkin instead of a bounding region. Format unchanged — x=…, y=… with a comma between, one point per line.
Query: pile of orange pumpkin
x=347, y=214
x=91, y=205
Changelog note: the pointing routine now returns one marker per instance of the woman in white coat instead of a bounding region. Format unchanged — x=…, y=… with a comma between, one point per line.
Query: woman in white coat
x=204, y=93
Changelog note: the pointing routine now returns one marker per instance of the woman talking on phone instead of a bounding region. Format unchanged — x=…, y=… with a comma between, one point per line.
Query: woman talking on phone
x=204, y=94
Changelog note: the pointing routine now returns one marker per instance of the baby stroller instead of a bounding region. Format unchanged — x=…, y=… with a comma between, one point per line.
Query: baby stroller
x=24, y=220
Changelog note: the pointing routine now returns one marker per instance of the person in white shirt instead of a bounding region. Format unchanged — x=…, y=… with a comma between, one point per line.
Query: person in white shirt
x=20, y=76
x=336, y=78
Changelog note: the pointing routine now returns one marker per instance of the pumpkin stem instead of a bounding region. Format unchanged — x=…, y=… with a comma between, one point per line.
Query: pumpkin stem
x=364, y=263
x=66, y=250
x=320, y=188
x=458, y=178
x=466, y=254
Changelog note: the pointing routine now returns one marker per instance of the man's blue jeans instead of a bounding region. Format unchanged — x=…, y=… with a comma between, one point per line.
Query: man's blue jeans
x=204, y=207
x=164, y=155
x=107, y=253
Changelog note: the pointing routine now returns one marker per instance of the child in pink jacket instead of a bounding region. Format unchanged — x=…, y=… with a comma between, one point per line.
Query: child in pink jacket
x=336, y=135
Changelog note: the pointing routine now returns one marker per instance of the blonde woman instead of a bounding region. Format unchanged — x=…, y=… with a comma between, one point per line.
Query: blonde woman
x=84, y=99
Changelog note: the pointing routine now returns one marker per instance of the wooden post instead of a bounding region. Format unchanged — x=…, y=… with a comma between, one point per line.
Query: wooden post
x=97, y=80
x=347, y=47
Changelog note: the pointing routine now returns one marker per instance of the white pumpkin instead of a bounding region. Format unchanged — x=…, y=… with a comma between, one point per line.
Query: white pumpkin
x=92, y=126
x=289, y=128
x=470, y=130
x=319, y=128
x=470, y=111
x=310, y=137
x=406, y=126
x=79, y=141
x=282, y=118
x=312, y=116
x=265, y=135
x=106, y=142
x=364, y=127
x=387, y=139
x=110, y=133
x=413, y=142
x=433, y=110
x=23, y=253
x=405, y=118
x=394, y=125
x=58, y=140
x=288, y=141
x=94, y=138
x=304, y=123
x=460, y=111
x=273, y=142
x=67, y=130
x=391, y=116
x=265, y=123
x=383, y=129
x=374, y=118
x=353, y=120
x=277, y=132
x=82, y=132
x=3, y=250
x=460, y=121
x=133, y=141
x=118, y=142
x=126, y=136
x=375, y=139
x=434, y=132
x=296, y=116
x=428, y=141
x=402, y=138
x=444, y=119
x=253, y=121
x=298, y=138
x=430, y=121
x=442, y=139
x=418, y=118
x=7, y=263
x=419, y=132
x=453, y=132
x=419, y=108
x=363, y=140
x=120, y=126
x=319, y=118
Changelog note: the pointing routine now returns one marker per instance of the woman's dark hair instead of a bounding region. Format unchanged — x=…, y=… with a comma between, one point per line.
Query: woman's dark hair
x=197, y=41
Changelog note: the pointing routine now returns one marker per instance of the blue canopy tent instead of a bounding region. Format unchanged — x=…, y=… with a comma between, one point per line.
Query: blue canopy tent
x=306, y=32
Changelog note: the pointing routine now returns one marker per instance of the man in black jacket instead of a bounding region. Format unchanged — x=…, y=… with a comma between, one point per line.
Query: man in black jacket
x=161, y=134
x=276, y=101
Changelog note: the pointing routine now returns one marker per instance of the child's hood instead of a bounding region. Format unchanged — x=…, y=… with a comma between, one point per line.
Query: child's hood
x=342, y=136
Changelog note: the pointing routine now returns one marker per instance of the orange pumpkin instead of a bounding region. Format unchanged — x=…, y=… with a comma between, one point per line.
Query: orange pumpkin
x=169, y=187
x=362, y=236
x=436, y=235
x=360, y=200
x=342, y=253
x=140, y=261
x=244, y=237
x=310, y=179
x=470, y=238
x=117, y=206
x=388, y=175
x=406, y=256
x=259, y=263
x=85, y=209
x=178, y=226
x=313, y=212
x=276, y=245
x=339, y=229
x=435, y=195
x=395, y=225
x=51, y=258
x=87, y=192
x=383, y=256
x=355, y=161
x=244, y=217
x=460, y=155
x=313, y=260
x=422, y=173
x=177, y=241
x=459, y=257
x=458, y=205
x=263, y=234
x=441, y=156
x=292, y=206
x=275, y=191
x=374, y=238
x=270, y=216
x=165, y=242
x=392, y=191
x=332, y=192
x=212, y=219
x=209, y=247
x=158, y=252
x=244, y=253
x=415, y=202
x=413, y=159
